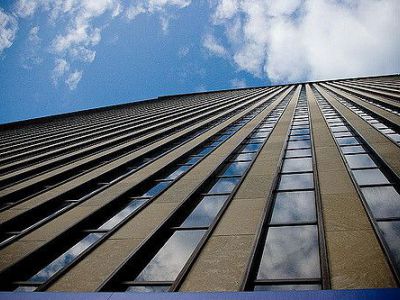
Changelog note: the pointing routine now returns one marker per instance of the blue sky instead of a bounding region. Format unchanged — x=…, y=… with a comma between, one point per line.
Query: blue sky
x=59, y=56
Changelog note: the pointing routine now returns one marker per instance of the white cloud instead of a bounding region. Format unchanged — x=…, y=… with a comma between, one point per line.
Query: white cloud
x=156, y=6
x=214, y=46
x=238, y=83
x=183, y=51
x=8, y=30
x=291, y=40
x=61, y=66
x=30, y=56
x=33, y=35
x=73, y=79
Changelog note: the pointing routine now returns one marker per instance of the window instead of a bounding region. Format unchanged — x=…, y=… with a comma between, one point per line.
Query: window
x=359, y=161
x=369, y=177
x=224, y=186
x=296, y=181
x=297, y=165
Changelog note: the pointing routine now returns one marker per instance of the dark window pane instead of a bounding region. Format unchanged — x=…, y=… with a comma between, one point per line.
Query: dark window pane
x=384, y=201
x=287, y=287
x=158, y=188
x=171, y=258
x=123, y=214
x=205, y=151
x=296, y=181
x=360, y=161
x=290, y=252
x=251, y=148
x=298, y=153
x=292, y=207
x=148, y=288
x=205, y=211
x=353, y=149
x=193, y=160
x=347, y=141
x=245, y=156
x=224, y=185
x=297, y=165
x=391, y=234
x=367, y=177
x=236, y=169
x=66, y=258
x=299, y=144
x=177, y=172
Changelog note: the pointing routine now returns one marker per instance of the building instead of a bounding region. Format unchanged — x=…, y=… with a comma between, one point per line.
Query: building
x=291, y=187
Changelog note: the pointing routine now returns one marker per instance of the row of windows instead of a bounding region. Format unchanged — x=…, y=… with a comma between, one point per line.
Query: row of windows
x=114, y=130
x=21, y=225
x=102, y=143
x=290, y=257
x=379, y=190
x=107, y=221
x=161, y=269
x=387, y=129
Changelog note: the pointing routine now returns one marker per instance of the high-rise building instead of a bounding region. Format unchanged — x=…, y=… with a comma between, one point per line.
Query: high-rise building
x=290, y=187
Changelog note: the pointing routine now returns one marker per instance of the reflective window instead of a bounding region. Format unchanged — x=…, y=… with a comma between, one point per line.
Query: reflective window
x=193, y=160
x=25, y=288
x=251, y=148
x=297, y=165
x=148, y=288
x=158, y=188
x=367, y=177
x=342, y=134
x=298, y=153
x=205, y=211
x=299, y=144
x=360, y=161
x=170, y=259
x=122, y=215
x=292, y=207
x=300, y=131
x=391, y=234
x=339, y=128
x=296, y=181
x=347, y=141
x=224, y=185
x=245, y=156
x=177, y=172
x=205, y=151
x=66, y=258
x=384, y=201
x=236, y=169
x=261, y=135
x=353, y=149
x=290, y=252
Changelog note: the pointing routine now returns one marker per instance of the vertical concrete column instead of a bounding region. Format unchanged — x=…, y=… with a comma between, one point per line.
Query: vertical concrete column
x=355, y=257
x=222, y=263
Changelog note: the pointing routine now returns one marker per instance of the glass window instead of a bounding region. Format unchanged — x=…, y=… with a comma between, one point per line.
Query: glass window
x=300, y=131
x=297, y=165
x=296, y=181
x=205, y=211
x=384, y=201
x=368, y=177
x=298, y=153
x=299, y=144
x=245, y=156
x=123, y=214
x=224, y=185
x=360, y=161
x=339, y=128
x=26, y=288
x=353, y=149
x=66, y=258
x=251, y=148
x=347, y=141
x=299, y=137
x=148, y=288
x=171, y=258
x=292, y=207
x=255, y=140
x=177, y=172
x=262, y=135
x=193, y=160
x=236, y=169
x=342, y=134
x=290, y=252
x=205, y=151
x=395, y=137
x=287, y=287
x=158, y=188
x=391, y=234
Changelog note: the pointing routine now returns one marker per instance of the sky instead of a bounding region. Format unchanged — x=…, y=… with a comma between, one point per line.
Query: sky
x=59, y=56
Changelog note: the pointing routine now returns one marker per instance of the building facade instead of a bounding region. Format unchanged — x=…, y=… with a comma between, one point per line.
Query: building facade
x=291, y=187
